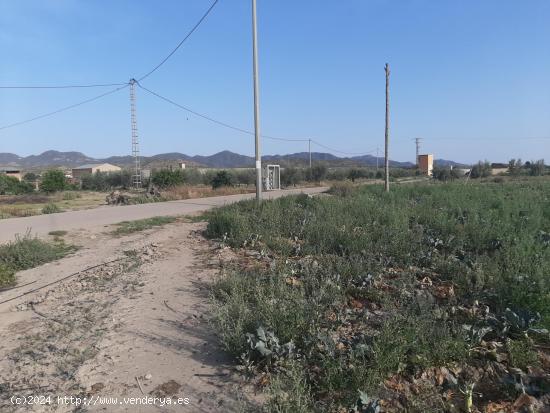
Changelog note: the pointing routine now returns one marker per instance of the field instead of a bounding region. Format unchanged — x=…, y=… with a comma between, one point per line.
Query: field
x=432, y=298
x=12, y=206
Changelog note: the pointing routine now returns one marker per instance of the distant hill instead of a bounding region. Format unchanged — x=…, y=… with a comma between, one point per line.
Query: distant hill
x=224, y=159
x=8, y=159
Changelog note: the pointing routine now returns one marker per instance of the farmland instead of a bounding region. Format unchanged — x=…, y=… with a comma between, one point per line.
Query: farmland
x=428, y=298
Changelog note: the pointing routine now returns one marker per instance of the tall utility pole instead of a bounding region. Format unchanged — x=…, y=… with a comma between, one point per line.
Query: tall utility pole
x=136, y=177
x=256, y=103
x=387, y=131
x=309, y=150
x=377, y=159
x=417, y=140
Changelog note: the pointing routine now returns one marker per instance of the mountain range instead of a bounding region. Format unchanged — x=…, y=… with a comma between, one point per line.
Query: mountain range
x=224, y=159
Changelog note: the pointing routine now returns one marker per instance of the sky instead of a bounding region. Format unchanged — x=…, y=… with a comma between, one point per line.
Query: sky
x=471, y=78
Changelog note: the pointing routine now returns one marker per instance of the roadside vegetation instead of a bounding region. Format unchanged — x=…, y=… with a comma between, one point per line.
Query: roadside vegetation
x=430, y=298
x=129, y=227
x=28, y=252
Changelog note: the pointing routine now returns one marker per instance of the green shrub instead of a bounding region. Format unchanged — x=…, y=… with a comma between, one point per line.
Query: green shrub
x=12, y=186
x=291, y=176
x=53, y=180
x=51, y=208
x=129, y=227
x=481, y=170
x=341, y=189
x=27, y=252
x=222, y=178
x=316, y=173
x=166, y=178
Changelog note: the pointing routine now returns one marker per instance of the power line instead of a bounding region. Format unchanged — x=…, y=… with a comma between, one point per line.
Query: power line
x=341, y=152
x=235, y=128
x=63, y=86
x=210, y=119
x=45, y=115
x=195, y=27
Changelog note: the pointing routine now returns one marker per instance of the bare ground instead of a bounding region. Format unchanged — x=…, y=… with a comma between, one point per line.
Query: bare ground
x=134, y=327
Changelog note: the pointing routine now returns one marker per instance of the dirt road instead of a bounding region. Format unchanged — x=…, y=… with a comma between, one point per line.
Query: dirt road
x=96, y=218
x=136, y=327
x=121, y=321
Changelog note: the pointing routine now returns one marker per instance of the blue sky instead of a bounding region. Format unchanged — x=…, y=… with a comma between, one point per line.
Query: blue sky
x=470, y=77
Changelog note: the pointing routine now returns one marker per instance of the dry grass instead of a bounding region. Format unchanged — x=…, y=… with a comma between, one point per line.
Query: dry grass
x=202, y=191
x=14, y=206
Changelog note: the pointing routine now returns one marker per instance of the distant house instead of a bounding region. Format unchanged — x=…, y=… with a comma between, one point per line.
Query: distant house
x=92, y=168
x=426, y=164
x=11, y=171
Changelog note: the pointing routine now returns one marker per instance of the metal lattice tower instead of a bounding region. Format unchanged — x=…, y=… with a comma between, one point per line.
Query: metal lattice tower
x=417, y=140
x=136, y=177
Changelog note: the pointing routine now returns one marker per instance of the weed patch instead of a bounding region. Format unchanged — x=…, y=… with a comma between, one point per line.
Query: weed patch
x=129, y=227
x=420, y=290
x=27, y=252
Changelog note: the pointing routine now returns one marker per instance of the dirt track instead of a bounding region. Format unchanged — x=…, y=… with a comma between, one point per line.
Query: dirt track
x=137, y=326
x=94, y=219
x=133, y=328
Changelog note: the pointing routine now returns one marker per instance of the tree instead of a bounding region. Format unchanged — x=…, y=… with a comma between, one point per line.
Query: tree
x=222, y=178
x=11, y=186
x=317, y=173
x=442, y=173
x=354, y=174
x=166, y=178
x=481, y=170
x=537, y=168
x=30, y=177
x=53, y=180
x=515, y=166
x=291, y=176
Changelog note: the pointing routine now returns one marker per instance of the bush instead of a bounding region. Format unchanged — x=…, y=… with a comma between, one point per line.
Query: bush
x=514, y=167
x=12, y=186
x=481, y=170
x=291, y=176
x=222, y=178
x=341, y=189
x=193, y=176
x=51, y=208
x=53, y=180
x=27, y=252
x=166, y=178
x=316, y=173
x=30, y=177
x=245, y=177
x=537, y=168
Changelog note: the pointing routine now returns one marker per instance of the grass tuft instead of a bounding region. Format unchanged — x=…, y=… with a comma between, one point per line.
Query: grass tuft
x=129, y=227
x=28, y=252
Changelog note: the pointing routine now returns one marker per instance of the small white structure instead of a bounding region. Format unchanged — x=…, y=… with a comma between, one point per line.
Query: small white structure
x=181, y=164
x=272, y=178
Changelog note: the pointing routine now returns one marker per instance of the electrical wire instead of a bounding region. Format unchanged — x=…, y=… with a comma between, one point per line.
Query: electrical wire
x=45, y=115
x=195, y=27
x=210, y=119
x=63, y=86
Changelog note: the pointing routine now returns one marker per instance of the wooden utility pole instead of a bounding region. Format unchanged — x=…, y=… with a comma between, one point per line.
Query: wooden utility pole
x=387, y=131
